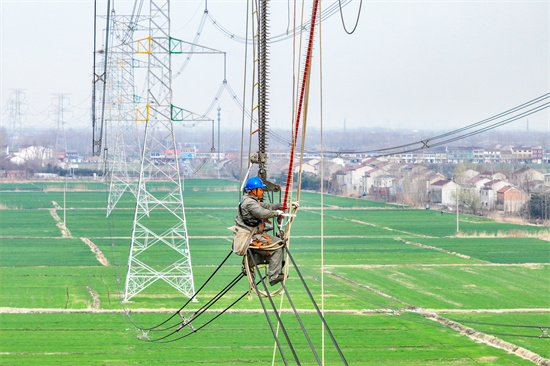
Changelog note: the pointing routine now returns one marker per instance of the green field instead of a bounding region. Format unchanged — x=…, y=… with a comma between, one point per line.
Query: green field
x=383, y=267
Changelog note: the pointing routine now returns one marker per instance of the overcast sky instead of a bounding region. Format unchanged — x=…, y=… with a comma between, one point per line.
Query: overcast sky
x=409, y=65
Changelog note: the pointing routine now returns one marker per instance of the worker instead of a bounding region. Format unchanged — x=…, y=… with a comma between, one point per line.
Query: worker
x=252, y=215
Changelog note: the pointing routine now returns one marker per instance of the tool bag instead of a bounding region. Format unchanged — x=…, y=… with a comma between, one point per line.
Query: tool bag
x=241, y=239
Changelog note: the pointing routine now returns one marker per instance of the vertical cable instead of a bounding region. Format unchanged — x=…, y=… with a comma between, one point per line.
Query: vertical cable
x=244, y=101
x=322, y=189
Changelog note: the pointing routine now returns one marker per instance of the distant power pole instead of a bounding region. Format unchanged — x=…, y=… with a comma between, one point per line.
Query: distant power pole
x=15, y=116
x=60, y=138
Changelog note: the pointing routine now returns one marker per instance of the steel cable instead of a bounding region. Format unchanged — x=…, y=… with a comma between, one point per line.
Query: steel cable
x=316, y=307
x=276, y=314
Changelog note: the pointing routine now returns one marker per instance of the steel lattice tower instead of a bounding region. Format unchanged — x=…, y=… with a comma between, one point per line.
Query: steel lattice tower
x=163, y=223
x=123, y=175
x=15, y=116
x=60, y=139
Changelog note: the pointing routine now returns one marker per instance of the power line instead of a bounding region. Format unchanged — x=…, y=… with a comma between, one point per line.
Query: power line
x=431, y=142
x=325, y=14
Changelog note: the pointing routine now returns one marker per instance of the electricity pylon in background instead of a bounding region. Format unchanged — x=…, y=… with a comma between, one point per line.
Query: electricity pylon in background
x=122, y=174
x=15, y=116
x=159, y=217
x=60, y=138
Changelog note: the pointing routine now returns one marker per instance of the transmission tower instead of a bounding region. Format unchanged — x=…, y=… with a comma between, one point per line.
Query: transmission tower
x=122, y=125
x=60, y=138
x=15, y=125
x=163, y=222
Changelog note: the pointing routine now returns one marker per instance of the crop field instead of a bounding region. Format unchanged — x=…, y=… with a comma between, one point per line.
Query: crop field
x=394, y=280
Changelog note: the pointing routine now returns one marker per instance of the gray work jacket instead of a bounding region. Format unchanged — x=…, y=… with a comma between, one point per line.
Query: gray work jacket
x=252, y=209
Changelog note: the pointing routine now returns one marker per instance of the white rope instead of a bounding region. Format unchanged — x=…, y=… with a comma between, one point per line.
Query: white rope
x=322, y=191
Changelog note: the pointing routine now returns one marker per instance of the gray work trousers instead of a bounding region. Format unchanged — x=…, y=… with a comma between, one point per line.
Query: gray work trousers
x=274, y=259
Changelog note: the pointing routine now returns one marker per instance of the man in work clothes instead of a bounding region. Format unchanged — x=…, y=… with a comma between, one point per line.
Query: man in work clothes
x=251, y=215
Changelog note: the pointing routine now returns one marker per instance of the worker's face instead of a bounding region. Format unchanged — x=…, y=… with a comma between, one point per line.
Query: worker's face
x=260, y=193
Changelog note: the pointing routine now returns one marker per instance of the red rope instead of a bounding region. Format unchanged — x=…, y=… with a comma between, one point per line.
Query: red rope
x=301, y=101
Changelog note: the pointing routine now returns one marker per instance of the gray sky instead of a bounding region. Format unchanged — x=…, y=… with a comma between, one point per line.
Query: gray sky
x=409, y=65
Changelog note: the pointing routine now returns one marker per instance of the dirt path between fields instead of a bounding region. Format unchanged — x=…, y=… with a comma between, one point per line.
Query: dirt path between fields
x=7, y=310
x=98, y=253
x=378, y=226
x=433, y=248
x=490, y=340
x=95, y=296
x=366, y=266
x=469, y=332
x=65, y=233
x=369, y=288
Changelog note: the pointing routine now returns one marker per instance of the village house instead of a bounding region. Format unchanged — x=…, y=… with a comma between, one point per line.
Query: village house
x=527, y=175
x=350, y=180
x=443, y=192
x=492, y=175
x=383, y=186
x=477, y=183
x=465, y=176
x=488, y=193
x=510, y=199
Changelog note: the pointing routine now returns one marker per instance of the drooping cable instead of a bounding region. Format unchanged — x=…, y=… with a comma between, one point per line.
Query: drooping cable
x=196, y=293
x=193, y=45
x=329, y=11
x=187, y=321
x=476, y=124
x=208, y=322
x=537, y=103
x=342, y=17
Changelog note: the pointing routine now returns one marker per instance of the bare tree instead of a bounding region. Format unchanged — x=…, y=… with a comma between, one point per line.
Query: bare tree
x=469, y=199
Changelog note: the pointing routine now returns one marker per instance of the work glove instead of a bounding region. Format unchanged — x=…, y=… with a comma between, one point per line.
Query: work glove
x=295, y=205
x=279, y=212
x=280, y=206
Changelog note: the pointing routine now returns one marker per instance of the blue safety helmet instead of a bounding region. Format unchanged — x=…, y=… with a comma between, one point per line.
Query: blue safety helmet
x=254, y=182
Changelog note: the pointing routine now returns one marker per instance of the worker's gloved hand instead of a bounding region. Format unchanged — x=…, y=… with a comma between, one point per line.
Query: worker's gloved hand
x=280, y=206
x=295, y=205
x=279, y=212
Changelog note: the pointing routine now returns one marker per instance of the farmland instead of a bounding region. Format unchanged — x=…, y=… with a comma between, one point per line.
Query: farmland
x=386, y=271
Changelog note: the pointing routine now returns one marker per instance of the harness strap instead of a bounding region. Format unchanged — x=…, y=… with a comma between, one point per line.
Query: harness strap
x=248, y=222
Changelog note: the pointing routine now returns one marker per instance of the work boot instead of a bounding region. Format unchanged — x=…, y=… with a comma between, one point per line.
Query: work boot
x=277, y=279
